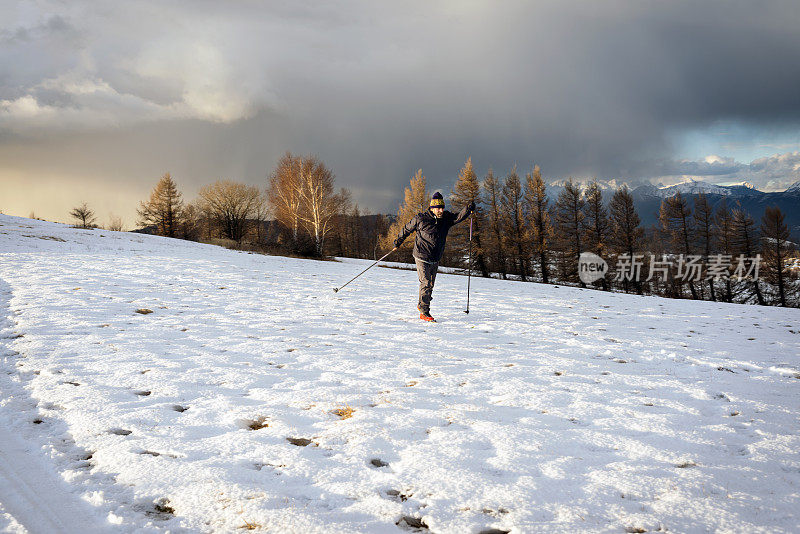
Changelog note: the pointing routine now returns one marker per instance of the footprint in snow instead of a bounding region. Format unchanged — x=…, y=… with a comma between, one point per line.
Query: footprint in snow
x=155, y=454
x=120, y=431
x=160, y=509
x=253, y=424
x=300, y=442
x=398, y=495
x=411, y=522
x=82, y=461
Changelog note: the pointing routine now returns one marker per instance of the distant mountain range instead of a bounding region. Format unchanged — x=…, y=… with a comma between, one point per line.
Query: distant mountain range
x=648, y=197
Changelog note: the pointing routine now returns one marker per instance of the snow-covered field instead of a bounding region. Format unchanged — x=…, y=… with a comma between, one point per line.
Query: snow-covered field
x=545, y=409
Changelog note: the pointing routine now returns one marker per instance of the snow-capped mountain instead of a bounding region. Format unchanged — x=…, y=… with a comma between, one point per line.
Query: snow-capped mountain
x=612, y=184
x=794, y=188
x=740, y=195
x=695, y=187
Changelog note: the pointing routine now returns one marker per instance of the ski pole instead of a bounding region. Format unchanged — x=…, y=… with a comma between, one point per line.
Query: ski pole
x=336, y=289
x=469, y=265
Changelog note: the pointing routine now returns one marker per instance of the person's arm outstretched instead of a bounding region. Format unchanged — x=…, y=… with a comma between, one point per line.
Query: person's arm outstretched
x=468, y=210
x=406, y=231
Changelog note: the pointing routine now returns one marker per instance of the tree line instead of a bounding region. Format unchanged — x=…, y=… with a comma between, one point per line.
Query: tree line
x=518, y=231
x=298, y=212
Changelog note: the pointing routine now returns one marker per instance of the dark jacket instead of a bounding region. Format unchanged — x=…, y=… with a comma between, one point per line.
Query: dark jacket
x=431, y=233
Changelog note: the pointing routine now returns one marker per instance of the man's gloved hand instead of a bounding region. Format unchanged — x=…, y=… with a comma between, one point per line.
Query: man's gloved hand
x=397, y=243
x=471, y=207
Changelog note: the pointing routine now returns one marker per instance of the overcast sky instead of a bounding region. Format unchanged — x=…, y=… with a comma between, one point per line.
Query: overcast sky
x=99, y=99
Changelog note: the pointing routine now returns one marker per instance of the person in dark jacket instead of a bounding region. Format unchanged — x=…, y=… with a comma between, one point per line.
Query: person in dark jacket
x=431, y=227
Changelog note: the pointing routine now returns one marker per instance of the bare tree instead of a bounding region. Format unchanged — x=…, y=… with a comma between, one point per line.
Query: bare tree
x=301, y=196
x=283, y=194
x=230, y=206
x=538, y=210
x=260, y=220
x=115, y=223
x=346, y=232
x=349, y=230
x=163, y=209
x=85, y=215
x=355, y=232
x=318, y=202
x=191, y=222
x=776, y=248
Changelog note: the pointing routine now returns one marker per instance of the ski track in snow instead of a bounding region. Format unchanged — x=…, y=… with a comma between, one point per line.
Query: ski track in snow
x=37, y=496
x=545, y=409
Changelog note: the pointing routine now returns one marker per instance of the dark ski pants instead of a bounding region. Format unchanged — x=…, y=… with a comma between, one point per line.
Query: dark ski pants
x=427, y=276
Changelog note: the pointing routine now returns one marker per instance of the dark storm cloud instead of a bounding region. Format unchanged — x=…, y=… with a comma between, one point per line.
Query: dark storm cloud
x=379, y=90
x=709, y=167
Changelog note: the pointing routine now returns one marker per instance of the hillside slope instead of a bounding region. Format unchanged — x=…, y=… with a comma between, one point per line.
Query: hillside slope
x=545, y=409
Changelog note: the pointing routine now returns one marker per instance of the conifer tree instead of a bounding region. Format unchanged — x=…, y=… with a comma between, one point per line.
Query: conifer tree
x=776, y=249
x=493, y=238
x=704, y=232
x=467, y=190
x=164, y=208
x=569, y=218
x=745, y=243
x=675, y=217
x=512, y=217
x=538, y=209
x=596, y=223
x=625, y=230
x=84, y=214
x=416, y=200
x=723, y=234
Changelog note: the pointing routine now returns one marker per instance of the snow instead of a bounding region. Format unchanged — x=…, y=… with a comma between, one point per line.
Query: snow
x=9, y=525
x=545, y=409
x=693, y=187
x=794, y=188
x=745, y=184
x=36, y=495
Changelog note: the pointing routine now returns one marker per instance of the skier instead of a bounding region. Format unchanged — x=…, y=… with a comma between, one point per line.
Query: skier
x=431, y=227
